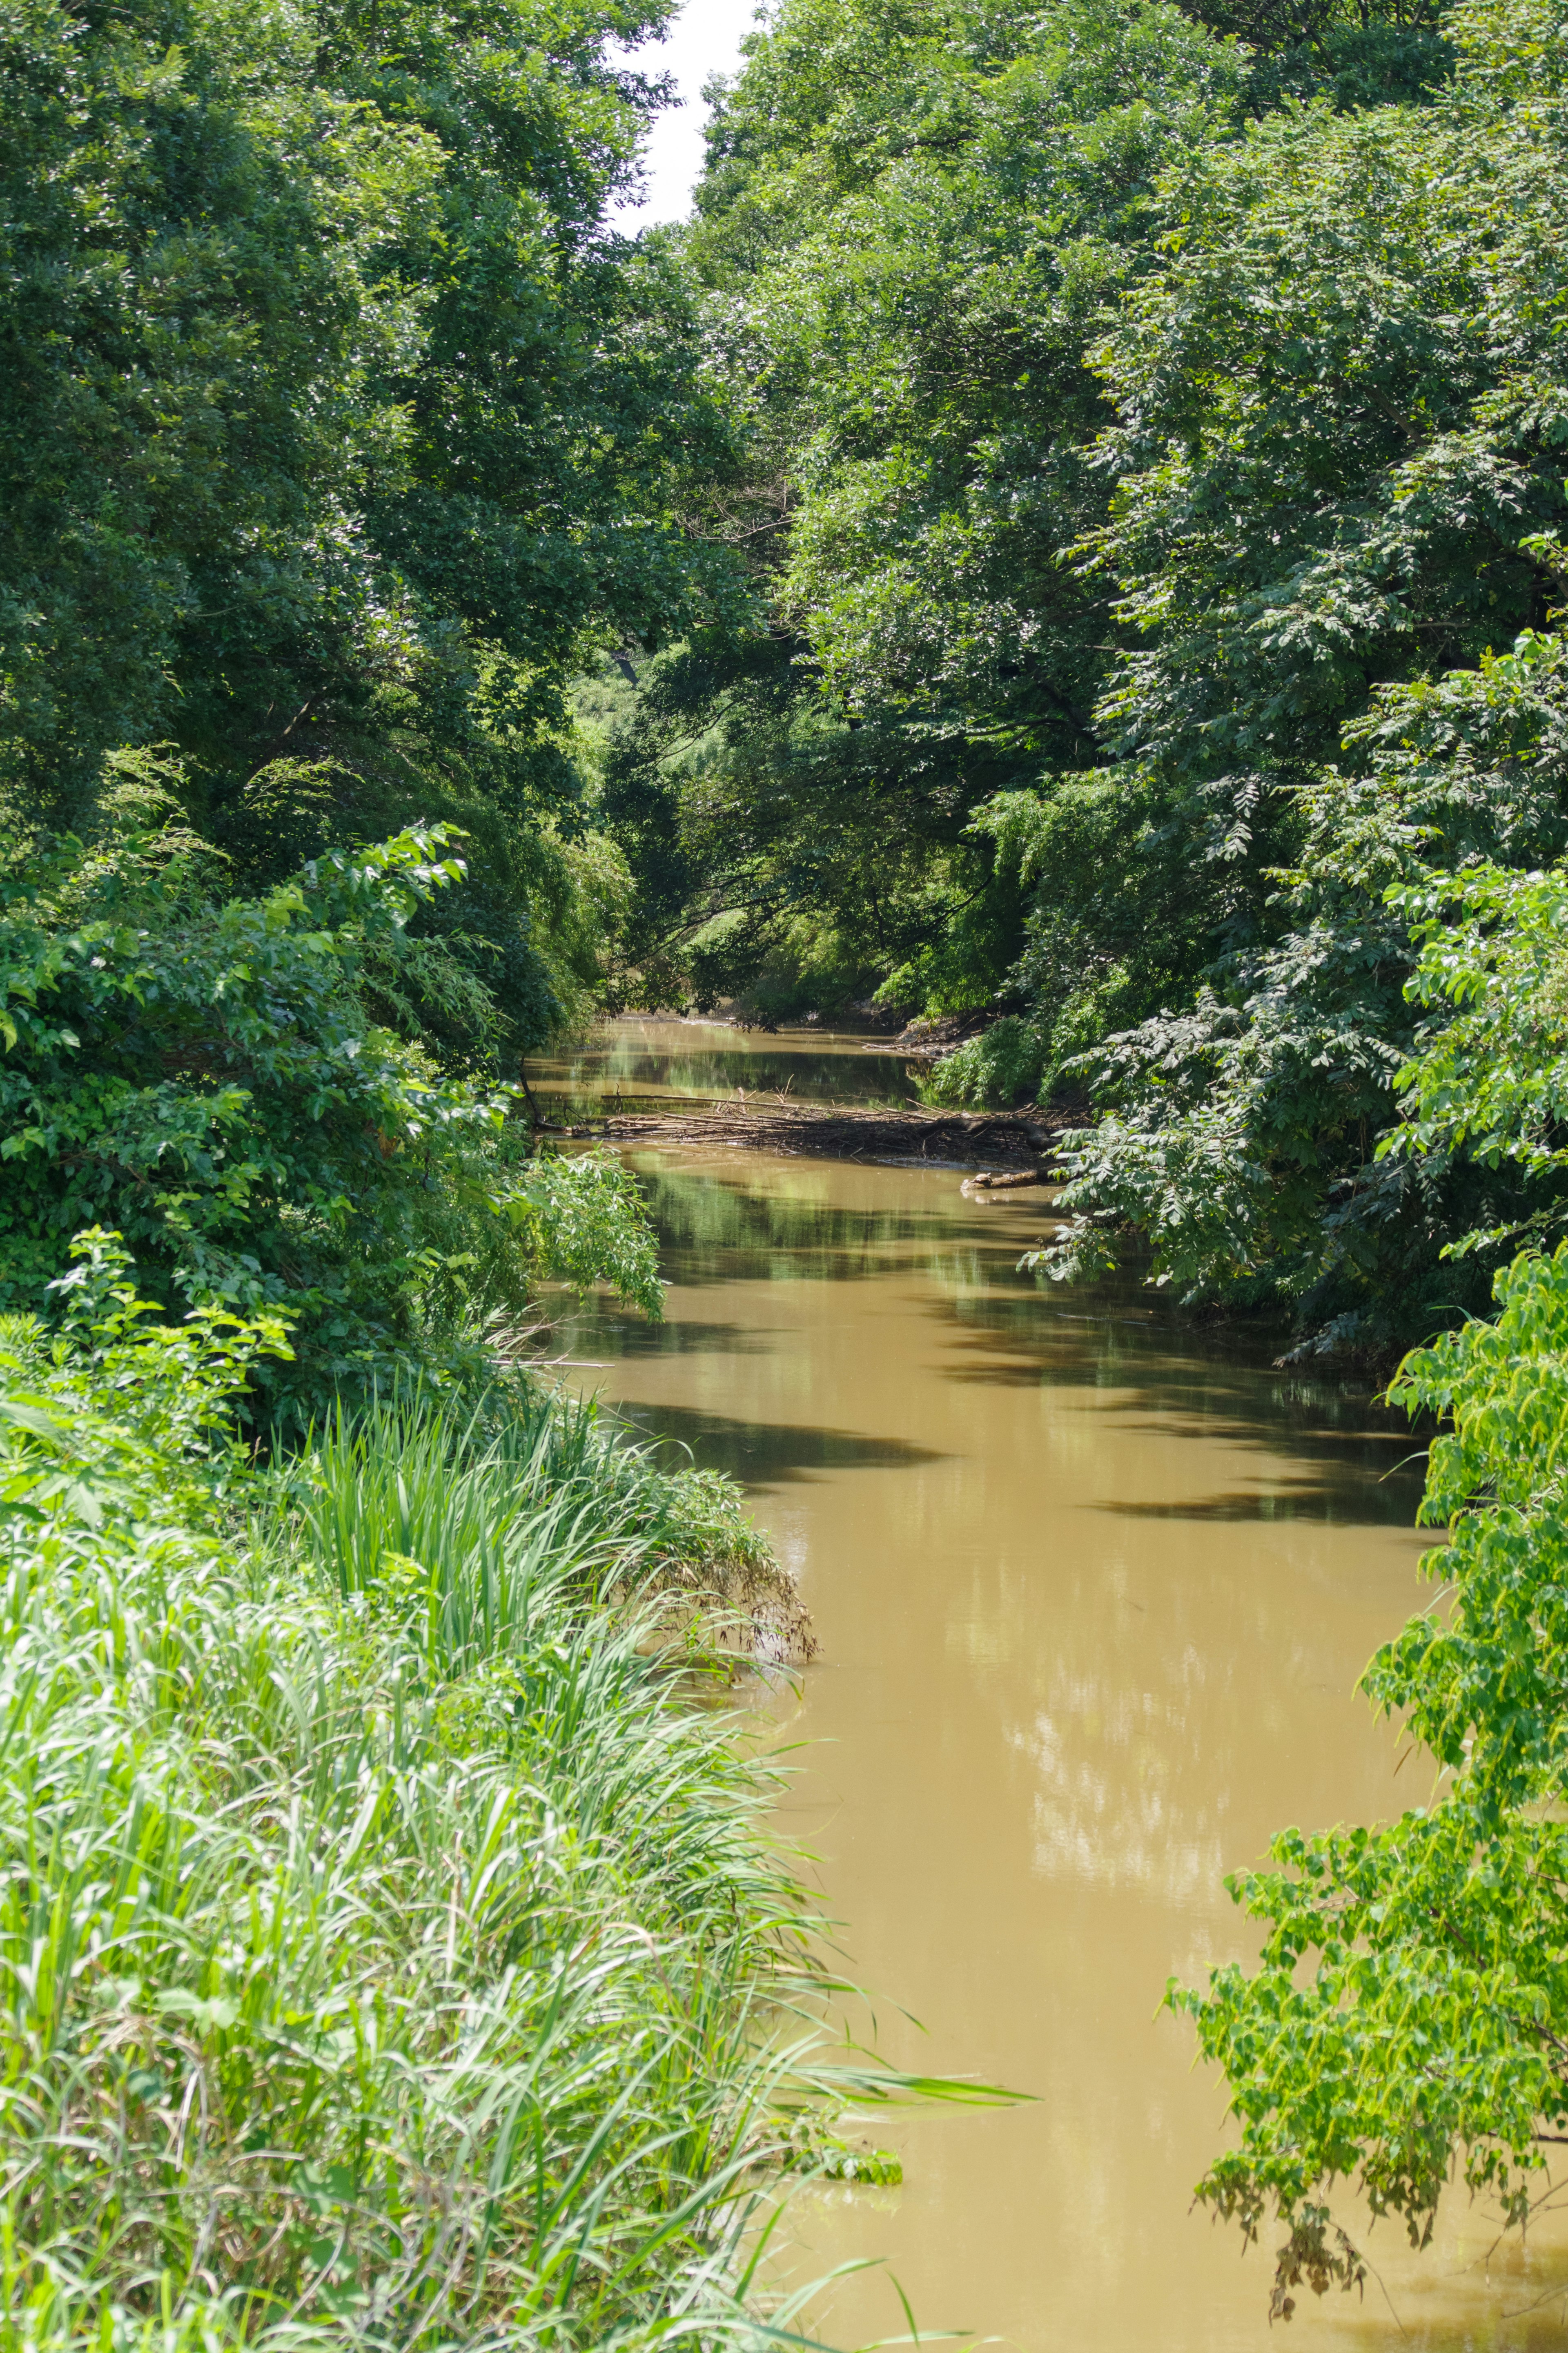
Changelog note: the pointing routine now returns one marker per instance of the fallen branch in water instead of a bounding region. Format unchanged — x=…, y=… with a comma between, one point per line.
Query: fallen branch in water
x=1000, y=1181
x=847, y=1132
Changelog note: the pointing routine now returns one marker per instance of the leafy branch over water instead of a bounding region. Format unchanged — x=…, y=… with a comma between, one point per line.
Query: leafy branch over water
x=1409, y=2015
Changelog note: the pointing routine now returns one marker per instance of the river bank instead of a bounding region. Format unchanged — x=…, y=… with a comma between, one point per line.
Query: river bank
x=652, y=1081
x=1001, y=1139
x=387, y=1933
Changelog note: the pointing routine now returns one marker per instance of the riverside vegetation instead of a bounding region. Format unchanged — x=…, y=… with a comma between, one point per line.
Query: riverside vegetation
x=1067, y=541
x=390, y=1954
x=1155, y=495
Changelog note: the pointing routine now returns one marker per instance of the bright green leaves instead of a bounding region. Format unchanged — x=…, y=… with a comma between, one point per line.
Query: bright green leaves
x=1491, y=1078
x=362, y=1870
x=1410, y=2008
x=1487, y=1688
x=587, y=1225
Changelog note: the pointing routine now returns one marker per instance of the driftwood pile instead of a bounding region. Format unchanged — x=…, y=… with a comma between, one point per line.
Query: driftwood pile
x=1017, y=1142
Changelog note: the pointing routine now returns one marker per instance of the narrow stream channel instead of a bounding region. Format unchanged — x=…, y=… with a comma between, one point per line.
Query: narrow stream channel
x=1092, y=1590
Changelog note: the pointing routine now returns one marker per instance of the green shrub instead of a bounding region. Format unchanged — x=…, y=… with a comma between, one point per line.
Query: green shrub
x=207, y=1075
x=1409, y=2014
x=1002, y=1065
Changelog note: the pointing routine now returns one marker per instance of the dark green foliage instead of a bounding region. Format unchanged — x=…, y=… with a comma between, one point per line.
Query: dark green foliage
x=916, y=229
x=909, y=229
x=1341, y=457
x=1249, y=1137
x=206, y=1074
x=329, y=403
x=1354, y=52
x=338, y=431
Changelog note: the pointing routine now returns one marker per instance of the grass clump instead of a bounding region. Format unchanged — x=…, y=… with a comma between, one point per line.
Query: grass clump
x=405, y=1476
x=387, y=1956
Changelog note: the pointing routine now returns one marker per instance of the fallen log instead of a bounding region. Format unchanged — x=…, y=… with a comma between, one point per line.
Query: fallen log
x=840, y=1131
x=1005, y=1180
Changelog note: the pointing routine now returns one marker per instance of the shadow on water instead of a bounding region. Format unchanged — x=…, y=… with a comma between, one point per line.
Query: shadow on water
x=766, y=1453
x=1352, y=1462
x=1334, y=1500
x=687, y=1338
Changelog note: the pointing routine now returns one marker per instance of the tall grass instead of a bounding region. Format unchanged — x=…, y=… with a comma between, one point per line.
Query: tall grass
x=455, y=1489
x=386, y=1957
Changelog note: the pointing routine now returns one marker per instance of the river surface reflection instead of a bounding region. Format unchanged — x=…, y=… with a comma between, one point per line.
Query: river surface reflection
x=644, y=1063
x=1092, y=1590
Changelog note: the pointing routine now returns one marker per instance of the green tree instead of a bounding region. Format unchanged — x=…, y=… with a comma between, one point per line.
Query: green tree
x=207, y=1075
x=1339, y=470
x=910, y=226
x=1252, y=1147
x=339, y=426
x=1409, y=2013
x=917, y=230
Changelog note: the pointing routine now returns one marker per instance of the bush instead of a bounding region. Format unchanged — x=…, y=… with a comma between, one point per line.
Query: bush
x=204, y=1074
x=1002, y=1065
x=1409, y=2013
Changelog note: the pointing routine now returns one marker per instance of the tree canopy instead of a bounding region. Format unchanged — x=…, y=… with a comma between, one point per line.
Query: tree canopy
x=1149, y=468
x=341, y=431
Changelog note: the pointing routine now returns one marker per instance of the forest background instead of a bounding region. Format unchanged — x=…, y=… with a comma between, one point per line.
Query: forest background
x=1067, y=542
x=1147, y=473
x=1068, y=529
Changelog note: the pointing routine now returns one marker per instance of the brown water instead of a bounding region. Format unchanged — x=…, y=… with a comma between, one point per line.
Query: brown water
x=644, y=1063
x=1092, y=1590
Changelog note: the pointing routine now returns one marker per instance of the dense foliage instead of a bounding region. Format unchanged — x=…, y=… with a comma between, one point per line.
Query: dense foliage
x=385, y=1944
x=331, y=405
x=1154, y=493
x=910, y=223
x=1069, y=540
x=1152, y=472
x=210, y=1075
x=1408, y=2018
x=1256, y=1138
x=340, y=431
x=1306, y=561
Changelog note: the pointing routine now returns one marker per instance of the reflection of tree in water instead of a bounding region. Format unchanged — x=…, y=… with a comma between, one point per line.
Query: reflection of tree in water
x=1155, y=1368
x=1348, y=1458
x=713, y=1231
x=632, y=1067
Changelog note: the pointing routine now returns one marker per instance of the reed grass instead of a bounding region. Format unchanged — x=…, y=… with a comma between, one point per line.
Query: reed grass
x=388, y=1957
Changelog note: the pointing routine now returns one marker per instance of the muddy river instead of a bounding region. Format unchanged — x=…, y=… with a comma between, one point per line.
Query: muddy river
x=1092, y=1590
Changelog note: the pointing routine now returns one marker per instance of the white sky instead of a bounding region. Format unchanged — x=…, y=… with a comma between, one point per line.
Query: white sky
x=705, y=38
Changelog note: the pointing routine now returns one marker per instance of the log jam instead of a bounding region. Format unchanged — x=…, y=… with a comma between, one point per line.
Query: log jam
x=1018, y=1141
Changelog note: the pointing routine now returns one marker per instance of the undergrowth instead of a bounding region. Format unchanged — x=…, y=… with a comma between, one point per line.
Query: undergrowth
x=388, y=1955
